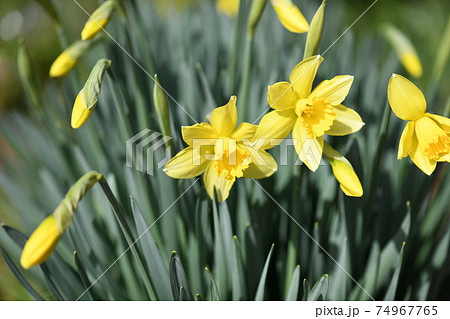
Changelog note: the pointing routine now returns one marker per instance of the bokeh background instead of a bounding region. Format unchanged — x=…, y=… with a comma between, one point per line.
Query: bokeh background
x=422, y=21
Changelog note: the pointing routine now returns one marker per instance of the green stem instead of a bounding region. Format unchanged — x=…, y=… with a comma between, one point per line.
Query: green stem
x=244, y=89
x=235, y=48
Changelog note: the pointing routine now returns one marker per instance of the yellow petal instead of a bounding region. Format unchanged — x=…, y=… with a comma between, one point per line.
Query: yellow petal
x=290, y=16
x=420, y=159
x=405, y=145
x=80, y=113
x=281, y=96
x=434, y=142
x=261, y=167
x=302, y=76
x=198, y=131
x=274, y=127
x=334, y=90
x=187, y=164
x=309, y=149
x=347, y=121
x=245, y=131
x=41, y=243
x=344, y=172
x=224, y=118
x=442, y=121
x=406, y=100
x=220, y=184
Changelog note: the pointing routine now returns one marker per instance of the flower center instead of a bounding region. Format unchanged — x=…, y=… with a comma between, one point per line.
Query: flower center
x=317, y=116
x=439, y=148
x=434, y=140
x=231, y=161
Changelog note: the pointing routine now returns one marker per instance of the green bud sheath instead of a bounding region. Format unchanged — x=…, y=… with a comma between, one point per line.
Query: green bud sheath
x=315, y=31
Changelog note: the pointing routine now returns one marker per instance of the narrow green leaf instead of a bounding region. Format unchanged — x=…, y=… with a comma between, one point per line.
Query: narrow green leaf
x=157, y=270
x=215, y=295
x=319, y=290
x=262, y=281
x=83, y=276
x=180, y=286
x=392, y=289
x=33, y=293
x=292, y=294
x=238, y=275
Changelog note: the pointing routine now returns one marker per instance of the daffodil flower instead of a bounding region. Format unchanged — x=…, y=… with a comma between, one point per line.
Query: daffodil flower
x=228, y=7
x=98, y=20
x=309, y=115
x=426, y=137
x=222, y=151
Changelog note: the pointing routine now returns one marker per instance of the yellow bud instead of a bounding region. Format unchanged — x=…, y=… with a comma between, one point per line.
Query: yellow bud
x=162, y=109
x=68, y=59
x=98, y=20
x=344, y=172
x=88, y=96
x=41, y=243
x=80, y=113
x=405, y=50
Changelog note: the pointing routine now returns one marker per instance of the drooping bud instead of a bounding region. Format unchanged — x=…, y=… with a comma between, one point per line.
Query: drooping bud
x=98, y=20
x=87, y=98
x=68, y=59
x=42, y=242
x=405, y=50
x=344, y=172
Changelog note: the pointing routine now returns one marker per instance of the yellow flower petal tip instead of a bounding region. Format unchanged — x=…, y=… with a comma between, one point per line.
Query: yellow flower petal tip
x=228, y=7
x=80, y=113
x=91, y=28
x=222, y=151
x=426, y=137
x=412, y=64
x=290, y=16
x=63, y=64
x=41, y=243
x=98, y=20
x=347, y=178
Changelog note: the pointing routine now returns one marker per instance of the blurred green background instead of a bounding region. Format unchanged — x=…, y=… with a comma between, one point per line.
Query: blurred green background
x=422, y=21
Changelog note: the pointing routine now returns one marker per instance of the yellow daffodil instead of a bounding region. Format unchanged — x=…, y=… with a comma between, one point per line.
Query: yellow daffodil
x=344, y=172
x=222, y=151
x=68, y=59
x=308, y=114
x=426, y=137
x=42, y=242
x=98, y=20
x=288, y=13
x=87, y=98
x=228, y=7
